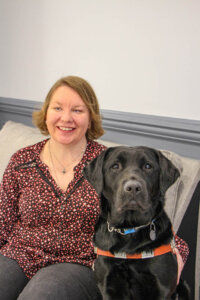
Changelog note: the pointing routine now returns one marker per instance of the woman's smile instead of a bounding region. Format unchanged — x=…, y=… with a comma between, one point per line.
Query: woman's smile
x=65, y=128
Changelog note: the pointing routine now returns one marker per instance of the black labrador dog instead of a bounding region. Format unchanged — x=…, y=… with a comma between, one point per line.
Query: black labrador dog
x=133, y=236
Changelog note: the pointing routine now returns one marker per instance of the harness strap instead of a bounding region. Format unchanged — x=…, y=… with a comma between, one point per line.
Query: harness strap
x=145, y=254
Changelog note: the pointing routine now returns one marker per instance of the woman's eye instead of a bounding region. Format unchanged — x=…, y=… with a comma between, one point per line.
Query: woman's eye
x=148, y=166
x=57, y=108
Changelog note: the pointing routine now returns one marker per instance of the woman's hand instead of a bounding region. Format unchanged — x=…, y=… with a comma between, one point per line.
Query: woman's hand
x=180, y=264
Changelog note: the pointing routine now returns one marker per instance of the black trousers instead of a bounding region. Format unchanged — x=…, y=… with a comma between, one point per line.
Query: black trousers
x=55, y=282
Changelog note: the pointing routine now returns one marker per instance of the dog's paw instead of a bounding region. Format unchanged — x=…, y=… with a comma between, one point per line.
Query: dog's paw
x=182, y=291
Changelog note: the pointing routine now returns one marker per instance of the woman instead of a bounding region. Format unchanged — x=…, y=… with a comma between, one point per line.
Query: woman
x=47, y=209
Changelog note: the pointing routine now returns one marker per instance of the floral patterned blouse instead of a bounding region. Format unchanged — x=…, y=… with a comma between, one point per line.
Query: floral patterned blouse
x=39, y=223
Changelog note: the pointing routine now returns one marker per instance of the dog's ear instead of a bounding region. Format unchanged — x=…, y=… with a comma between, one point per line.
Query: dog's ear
x=93, y=172
x=169, y=173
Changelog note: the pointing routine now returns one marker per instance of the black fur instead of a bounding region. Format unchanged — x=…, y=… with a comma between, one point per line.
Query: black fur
x=132, y=182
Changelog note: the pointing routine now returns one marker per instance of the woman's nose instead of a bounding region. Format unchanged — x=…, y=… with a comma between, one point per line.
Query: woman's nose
x=66, y=116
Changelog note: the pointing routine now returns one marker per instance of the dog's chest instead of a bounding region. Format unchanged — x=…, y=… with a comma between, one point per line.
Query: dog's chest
x=130, y=279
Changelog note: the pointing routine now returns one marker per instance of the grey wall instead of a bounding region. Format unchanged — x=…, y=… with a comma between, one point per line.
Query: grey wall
x=179, y=135
x=139, y=56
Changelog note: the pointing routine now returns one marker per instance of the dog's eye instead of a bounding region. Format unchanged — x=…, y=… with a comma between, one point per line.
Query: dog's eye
x=115, y=166
x=148, y=166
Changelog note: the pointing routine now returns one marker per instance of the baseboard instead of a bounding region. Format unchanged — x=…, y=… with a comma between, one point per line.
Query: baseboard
x=179, y=135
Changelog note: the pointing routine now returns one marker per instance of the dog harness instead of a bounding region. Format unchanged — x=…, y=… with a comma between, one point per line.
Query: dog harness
x=145, y=254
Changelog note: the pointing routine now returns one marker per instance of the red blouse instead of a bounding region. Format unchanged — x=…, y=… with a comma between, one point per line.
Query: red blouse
x=39, y=223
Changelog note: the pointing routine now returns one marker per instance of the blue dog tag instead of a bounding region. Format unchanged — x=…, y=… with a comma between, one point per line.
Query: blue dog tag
x=130, y=230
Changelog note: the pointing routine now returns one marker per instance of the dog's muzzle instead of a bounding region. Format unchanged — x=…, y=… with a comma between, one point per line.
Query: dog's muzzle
x=132, y=186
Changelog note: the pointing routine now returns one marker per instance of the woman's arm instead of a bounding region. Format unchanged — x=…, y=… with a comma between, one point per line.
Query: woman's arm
x=9, y=194
x=182, y=252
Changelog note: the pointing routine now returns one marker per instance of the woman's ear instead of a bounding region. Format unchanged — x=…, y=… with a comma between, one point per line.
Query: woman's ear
x=89, y=124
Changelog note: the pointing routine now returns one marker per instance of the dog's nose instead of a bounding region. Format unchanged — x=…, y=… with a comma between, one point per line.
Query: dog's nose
x=133, y=186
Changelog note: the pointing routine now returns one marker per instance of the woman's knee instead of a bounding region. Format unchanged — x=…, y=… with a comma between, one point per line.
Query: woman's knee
x=12, y=278
x=62, y=281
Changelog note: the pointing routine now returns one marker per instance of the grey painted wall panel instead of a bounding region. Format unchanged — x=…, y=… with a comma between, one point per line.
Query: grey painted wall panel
x=179, y=135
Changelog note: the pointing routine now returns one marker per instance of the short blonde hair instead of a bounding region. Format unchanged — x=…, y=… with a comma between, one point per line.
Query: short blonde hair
x=87, y=94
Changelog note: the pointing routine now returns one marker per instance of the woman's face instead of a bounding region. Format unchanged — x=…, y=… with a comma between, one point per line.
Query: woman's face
x=67, y=117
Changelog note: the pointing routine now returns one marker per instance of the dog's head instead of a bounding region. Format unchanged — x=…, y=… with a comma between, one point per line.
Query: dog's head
x=132, y=182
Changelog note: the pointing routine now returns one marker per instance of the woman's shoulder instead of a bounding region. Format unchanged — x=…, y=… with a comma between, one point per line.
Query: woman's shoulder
x=95, y=148
x=28, y=153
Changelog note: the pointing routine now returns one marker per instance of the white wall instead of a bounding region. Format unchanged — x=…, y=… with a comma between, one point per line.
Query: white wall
x=140, y=56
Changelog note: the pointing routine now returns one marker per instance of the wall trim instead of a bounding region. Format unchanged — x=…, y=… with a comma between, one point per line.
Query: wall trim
x=178, y=135
x=155, y=126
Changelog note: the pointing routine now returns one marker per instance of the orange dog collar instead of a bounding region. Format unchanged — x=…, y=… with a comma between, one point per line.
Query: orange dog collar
x=145, y=254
